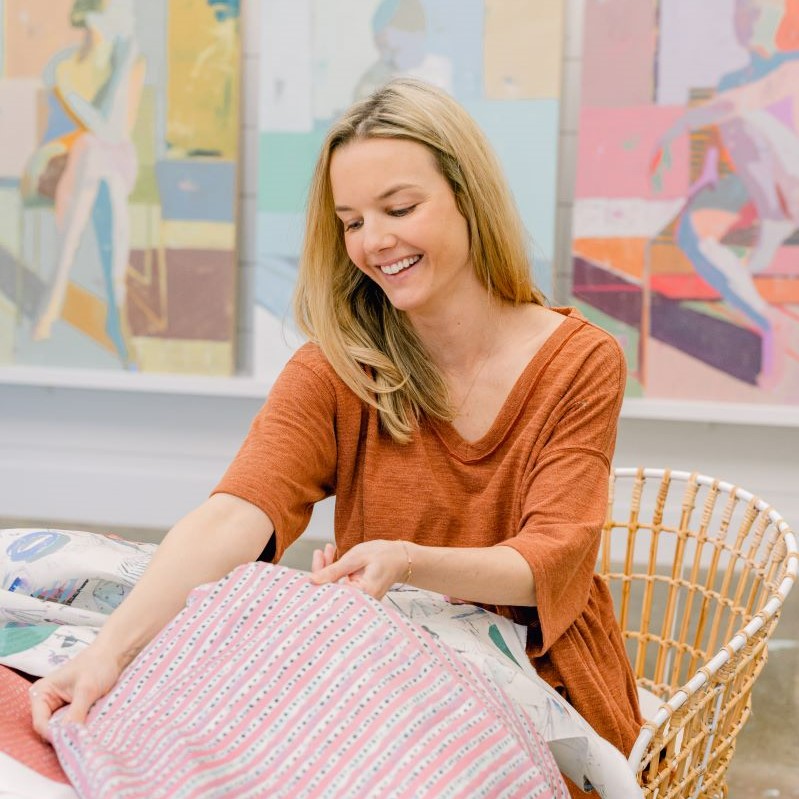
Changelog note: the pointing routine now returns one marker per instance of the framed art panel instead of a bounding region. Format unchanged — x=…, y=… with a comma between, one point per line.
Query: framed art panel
x=119, y=139
x=686, y=215
x=502, y=59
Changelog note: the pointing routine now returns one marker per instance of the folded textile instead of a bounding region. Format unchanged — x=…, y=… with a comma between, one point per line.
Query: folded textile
x=266, y=685
x=29, y=767
x=57, y=588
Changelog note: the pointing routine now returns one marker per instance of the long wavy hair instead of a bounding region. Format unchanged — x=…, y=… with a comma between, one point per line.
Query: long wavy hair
x=371, y=345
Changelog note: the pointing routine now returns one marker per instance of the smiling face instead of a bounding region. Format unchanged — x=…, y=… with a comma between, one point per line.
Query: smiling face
x=402, y=227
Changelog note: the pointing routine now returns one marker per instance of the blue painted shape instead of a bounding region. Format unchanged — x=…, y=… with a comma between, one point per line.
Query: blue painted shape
x=455, y=30
x=689, y=241
x=758, y=67
x=225, y=9
x=197, y=191
x=524, y=134
x=279, y=234
x=59, y=122
x=102, y=218
x=384, y=14
x=35, y=545
x=274, y=285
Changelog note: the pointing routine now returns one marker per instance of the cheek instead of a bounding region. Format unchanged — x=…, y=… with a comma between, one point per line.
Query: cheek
x=355, y=252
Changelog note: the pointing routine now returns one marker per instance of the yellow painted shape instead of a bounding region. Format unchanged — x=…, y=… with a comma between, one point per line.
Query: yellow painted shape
x=87, y=312
x=181, y=235
x=181, y=356
x=523, y=49
x=85, y=76
x=8, y=321
x=204, y=76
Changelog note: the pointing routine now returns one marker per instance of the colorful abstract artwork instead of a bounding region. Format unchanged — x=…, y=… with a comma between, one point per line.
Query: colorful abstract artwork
x=686, y=218
x=500, y=58
x=119, y=137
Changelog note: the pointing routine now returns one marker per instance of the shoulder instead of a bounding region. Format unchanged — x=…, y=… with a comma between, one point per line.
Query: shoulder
x=310, y=366
x=589, y=337
x=590, y=349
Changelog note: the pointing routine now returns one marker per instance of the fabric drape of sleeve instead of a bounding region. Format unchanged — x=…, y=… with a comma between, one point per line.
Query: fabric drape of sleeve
x=295, y=429
x=564, y=505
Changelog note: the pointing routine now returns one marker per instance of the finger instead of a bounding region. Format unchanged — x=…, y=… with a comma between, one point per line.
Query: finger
x=80, y=705
x=334, y=572
x=330, y=554
x=327, y=575
x=44, y=702
x=318, y=560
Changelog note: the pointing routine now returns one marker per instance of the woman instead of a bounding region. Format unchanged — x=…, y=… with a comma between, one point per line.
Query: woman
x=465, y=429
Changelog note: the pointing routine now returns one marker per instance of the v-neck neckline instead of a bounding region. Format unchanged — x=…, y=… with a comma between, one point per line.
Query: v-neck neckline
x=466, y=450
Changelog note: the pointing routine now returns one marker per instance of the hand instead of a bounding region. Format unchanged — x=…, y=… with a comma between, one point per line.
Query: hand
x=322, y=558
x=78, y=683
x=373, y=566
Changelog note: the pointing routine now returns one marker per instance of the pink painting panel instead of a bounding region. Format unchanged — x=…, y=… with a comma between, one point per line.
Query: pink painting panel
x=619, y=52
x=616, y=151
x=34, y=31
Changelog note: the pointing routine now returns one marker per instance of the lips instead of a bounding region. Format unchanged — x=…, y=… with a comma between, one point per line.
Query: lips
x=398, y=266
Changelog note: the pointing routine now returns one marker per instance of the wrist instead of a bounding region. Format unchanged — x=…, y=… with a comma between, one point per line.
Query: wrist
x=406, y=568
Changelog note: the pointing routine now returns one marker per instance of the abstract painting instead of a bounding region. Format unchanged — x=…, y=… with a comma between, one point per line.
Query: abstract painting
x=119, y=131
x=502, y=59
x=686, y=215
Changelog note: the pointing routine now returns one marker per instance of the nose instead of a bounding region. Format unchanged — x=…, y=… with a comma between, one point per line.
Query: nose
x=377, y=236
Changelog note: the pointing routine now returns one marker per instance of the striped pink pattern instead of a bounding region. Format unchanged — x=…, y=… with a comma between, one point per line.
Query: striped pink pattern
x=266, y=685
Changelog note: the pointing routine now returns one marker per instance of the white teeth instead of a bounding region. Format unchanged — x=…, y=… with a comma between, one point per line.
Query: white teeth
x=392, y=269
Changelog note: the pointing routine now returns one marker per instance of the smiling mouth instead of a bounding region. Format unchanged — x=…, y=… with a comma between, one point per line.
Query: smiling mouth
x=399, y=266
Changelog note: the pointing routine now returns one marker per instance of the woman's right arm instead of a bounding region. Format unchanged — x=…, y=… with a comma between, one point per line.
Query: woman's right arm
x=202, y=547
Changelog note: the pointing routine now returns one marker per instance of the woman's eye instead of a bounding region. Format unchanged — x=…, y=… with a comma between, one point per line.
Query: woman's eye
x=354, y=225
x=402, y=211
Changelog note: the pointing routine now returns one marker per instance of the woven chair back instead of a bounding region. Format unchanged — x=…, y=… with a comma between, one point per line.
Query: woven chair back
x=699, y=570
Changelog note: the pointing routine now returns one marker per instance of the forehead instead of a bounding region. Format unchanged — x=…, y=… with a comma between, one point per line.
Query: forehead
x=375, y=162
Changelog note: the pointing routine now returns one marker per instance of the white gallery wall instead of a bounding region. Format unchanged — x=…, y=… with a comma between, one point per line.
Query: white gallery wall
x=144, y=458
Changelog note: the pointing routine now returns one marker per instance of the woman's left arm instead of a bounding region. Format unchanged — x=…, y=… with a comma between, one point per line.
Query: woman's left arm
x=489, y=575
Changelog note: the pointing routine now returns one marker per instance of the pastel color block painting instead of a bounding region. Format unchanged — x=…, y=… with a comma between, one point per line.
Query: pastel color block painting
x=502, y=59
x=119, y=128
x=686, y=215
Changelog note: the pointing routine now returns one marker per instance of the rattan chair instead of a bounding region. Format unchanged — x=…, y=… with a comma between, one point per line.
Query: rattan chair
x=699, y=579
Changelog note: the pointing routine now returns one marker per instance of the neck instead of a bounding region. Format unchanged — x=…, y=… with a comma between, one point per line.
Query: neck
x=463, y=336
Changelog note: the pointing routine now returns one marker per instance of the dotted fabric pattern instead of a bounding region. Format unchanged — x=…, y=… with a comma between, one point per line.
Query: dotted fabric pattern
x=17, y=737
x=266, y=685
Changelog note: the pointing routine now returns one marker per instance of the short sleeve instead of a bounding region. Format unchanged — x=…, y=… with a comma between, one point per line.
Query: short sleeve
x=565, y=496
x=287, y=462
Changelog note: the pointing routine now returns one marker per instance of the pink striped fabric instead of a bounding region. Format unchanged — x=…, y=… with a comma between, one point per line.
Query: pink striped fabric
x=266, y=685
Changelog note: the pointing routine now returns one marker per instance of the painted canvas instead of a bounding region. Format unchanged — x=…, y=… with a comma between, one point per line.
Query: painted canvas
x=119, y=137
x=686, y=217
x=500, y=58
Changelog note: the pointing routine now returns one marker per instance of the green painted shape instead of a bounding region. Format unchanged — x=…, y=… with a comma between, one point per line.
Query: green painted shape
x=285, y=167
x=496, y=636
x=14, y=639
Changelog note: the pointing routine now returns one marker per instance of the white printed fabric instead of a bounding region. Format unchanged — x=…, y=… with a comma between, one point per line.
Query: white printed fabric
x=496, y=646
x=266, y=685
x=57, y=588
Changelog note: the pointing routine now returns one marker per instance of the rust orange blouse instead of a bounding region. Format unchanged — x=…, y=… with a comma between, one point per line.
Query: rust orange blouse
x=537, y=481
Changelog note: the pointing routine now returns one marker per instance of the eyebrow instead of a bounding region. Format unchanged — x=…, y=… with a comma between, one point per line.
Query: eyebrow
x=385, y=195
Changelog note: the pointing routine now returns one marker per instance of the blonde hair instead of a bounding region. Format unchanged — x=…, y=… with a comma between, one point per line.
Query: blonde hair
x=372, y=346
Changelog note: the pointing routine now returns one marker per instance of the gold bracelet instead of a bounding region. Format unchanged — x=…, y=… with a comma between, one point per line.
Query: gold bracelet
x=410, y=565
